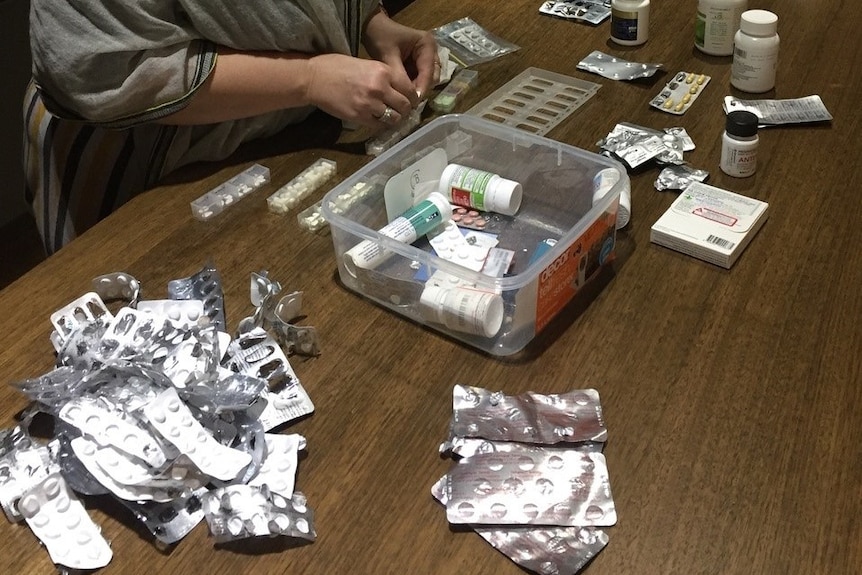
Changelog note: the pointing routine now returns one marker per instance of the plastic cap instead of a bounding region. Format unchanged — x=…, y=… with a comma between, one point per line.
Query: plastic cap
x=742, y=123
x=507, y=197
x=758, y=22
x=442, y=203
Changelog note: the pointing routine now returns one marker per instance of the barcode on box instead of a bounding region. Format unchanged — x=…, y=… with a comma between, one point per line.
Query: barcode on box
x=721, y=242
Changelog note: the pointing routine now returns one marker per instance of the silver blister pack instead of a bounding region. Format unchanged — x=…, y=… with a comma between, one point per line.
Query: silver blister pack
x=148, y=408
x=615, y=68
x=550, y=550
x=564, y=488
x=528, y=418
x=241, y=511
x=205, y=286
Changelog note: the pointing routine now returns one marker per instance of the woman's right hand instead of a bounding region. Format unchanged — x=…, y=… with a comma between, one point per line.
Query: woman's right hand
x=360, y=90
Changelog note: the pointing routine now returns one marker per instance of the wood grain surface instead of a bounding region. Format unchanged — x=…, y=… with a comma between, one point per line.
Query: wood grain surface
x=732, y=397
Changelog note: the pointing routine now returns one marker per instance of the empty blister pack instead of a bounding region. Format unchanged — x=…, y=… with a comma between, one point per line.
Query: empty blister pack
x=470, y=44
x=241, y=511
x=173, y=419
x=680, y=93
x=563, y=488
x=528, y=418
x=615, y=68
x=60, y=521
x=112, y=427
x=205, y=285
x=547, y=550
x=306, y=183
x=535, y=100
x=592, y=11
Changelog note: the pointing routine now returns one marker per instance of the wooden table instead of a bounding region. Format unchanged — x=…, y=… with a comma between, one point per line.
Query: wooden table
x=732, y=397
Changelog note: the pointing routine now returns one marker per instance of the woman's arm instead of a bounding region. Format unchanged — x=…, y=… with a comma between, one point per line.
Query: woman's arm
x=244, y=84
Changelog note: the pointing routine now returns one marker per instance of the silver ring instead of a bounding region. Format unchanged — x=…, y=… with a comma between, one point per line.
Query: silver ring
x=387, y=115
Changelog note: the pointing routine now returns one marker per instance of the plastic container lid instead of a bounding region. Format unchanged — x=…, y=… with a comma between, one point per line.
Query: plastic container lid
x=742, y=123
x=758, y=23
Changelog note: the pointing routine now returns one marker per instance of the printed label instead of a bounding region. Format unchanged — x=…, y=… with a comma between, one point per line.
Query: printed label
x=560, y=281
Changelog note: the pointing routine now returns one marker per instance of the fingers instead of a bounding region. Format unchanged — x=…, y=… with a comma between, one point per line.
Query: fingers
x=428, y=65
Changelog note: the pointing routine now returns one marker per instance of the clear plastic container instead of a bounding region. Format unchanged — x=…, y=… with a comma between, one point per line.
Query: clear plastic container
x=558, y=204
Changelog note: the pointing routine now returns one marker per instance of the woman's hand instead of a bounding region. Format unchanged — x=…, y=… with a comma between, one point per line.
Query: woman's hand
x=398, y=45
x=363, y=91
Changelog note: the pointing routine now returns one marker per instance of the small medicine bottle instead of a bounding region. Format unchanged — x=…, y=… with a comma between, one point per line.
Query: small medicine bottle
x=716, y=24
x=629, y=22
x=739, y=144
x=481, y=190
x=755, y=52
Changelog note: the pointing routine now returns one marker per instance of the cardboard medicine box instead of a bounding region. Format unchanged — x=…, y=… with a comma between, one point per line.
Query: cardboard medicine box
x=710, y=223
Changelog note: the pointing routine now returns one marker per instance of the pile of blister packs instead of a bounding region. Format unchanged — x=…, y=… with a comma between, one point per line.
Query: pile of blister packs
x=530, y=476
x=156, y=405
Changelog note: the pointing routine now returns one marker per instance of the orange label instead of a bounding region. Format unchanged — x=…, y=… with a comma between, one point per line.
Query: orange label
x=561, y=280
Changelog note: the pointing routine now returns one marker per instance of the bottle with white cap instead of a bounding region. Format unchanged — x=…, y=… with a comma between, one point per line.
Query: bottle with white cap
x=630, y=22
x=464, y=310
x=428, y=214
x=481, y=190
x=755, y=52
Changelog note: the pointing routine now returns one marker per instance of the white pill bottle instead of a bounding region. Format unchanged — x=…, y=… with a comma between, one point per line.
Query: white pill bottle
x=629, y=22
x=716, y=24
x=481, y=190
x=755, y=52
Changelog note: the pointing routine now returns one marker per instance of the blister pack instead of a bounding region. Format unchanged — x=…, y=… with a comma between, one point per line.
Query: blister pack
x=470, y=44
x=680, y=93
x=592, y=11
x=559, y=488
x=528, y=418
x=615, y=68
x=205, y=285
x=60, y=521
x=548, y=551
x=241, y=511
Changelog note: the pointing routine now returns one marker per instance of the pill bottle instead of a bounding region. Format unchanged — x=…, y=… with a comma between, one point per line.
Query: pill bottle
x=431, y=212
x=716, y=24
x=629, y=22
x=739, y=144
x=755, y=52
x=603, y=182
x=464, y=310
x=481, y=190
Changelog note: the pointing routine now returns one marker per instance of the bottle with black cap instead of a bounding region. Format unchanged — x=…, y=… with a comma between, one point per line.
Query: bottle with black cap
x=739, y=144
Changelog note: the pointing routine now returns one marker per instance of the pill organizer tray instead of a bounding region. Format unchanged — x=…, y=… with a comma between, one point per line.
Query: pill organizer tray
x=535, y=100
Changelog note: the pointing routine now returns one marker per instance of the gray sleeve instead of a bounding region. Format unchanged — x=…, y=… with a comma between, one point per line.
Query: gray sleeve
x=119, y=63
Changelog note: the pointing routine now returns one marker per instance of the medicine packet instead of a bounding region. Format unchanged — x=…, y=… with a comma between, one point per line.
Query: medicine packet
x=547, y=550
x=615, y=68
x=553, y=487
x=680, y=93
x=778, y=112
x=678, y=177
x=592, y=11
x=470, y=44
x=636, y=145
x=528, y=418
